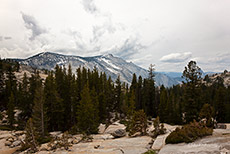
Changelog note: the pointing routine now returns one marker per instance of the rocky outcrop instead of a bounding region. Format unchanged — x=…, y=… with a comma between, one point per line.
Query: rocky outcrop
x=101, y=128
x=106, y=143
x=14, y=139
x=217, y=143
x=125, y=145
x=119, y=133
x=113, y=127
x=159, y=142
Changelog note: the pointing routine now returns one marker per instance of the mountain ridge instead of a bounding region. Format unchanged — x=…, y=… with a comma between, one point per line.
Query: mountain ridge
x=108, y=63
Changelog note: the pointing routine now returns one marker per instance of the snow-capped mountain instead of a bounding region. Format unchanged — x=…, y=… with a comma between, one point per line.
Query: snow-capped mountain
x=111, y=65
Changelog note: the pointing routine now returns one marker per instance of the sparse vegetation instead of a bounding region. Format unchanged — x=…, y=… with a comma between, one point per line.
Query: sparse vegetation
x=138, y=123
x=158, y=128
x=150, y=152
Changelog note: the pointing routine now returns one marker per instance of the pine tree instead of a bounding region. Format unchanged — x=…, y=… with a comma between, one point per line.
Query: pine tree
x=10, y=109
x=138, y=123
x=34, y=82
x=192, y=75
x=149, y=93
x=53, y=104
x=170, y=109
x=102, y=107
x=219, y=100
x=207, y=112
x=87, y=113
x=139, y=94
x=11, y=84
x=2, y=85
x=131, y=105
x=118, y=93
x=31, y=136
x=162, y=112
x=68, y=98
x=24, y=100
x=39, y=114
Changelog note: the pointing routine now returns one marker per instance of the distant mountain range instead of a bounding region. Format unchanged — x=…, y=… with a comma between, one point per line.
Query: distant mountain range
x=111, y=65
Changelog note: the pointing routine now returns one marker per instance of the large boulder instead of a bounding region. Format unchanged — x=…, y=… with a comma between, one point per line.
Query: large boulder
x=16, y=143
x=113, y=127
x=119, y=133
x=101, y=128
x=221, y=126
x=159, y=142
x=44, y=147
x=8, y=143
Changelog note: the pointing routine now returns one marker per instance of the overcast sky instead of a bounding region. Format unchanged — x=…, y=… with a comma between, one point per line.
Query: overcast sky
x=167, y=33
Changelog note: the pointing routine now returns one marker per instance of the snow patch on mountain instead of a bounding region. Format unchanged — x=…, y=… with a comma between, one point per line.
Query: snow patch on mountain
x=112, y=66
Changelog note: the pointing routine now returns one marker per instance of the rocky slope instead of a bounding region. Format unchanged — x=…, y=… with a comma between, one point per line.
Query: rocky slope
x=219, y=143
x=111, y=65
x=218, y=78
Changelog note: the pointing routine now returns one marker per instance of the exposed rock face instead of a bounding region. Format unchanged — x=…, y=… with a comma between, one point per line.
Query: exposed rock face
x=44, y=147
x=159, y=142
x=119, y=133
x=124, y=145
x=217, y=143
x=217, y=77
x=16, y=143
x=221, y=126
x=8, y=143
x=115, y=126
x=101, y=128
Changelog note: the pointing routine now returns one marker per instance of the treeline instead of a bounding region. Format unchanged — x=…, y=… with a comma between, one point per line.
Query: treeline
x=65, y=101
x=79, y=103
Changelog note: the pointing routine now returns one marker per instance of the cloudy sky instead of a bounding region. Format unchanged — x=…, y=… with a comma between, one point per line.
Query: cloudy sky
x=167, y=33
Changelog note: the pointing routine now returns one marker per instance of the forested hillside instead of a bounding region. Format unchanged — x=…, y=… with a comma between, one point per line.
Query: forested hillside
x=79, y=103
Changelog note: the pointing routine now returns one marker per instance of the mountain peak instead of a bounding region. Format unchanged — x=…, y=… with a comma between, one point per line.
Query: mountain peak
x=107, y=63
x=108, y=55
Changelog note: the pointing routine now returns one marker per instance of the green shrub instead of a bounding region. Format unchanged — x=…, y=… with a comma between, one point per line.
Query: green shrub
x=150, y=152
x=42, y=140
x=6, y=127
x=1, y=117
x=138, y=123
x=188, y=133
x=159, y=128
x=124, y=122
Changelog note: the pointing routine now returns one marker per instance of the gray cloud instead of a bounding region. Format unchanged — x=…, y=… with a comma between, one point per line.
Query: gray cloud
x=80, y=45
x=2, y=38
x=176, y=57
x=7, y=38
x=32, y=24
x=221, y=58
x=90, y=6
x=99, y=31
x=129, y=48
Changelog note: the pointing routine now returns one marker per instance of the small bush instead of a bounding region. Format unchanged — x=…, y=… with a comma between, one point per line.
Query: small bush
x=60, y=142
x=45, y=139
x=87, y=138
x=6, y=127
x=150, y=152
x=124, y=122
x=159, y=128
x=138, y=123
x=1, y=117
x=188, y=133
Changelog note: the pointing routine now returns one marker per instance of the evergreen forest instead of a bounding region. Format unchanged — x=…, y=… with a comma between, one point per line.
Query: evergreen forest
x=79, y=101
